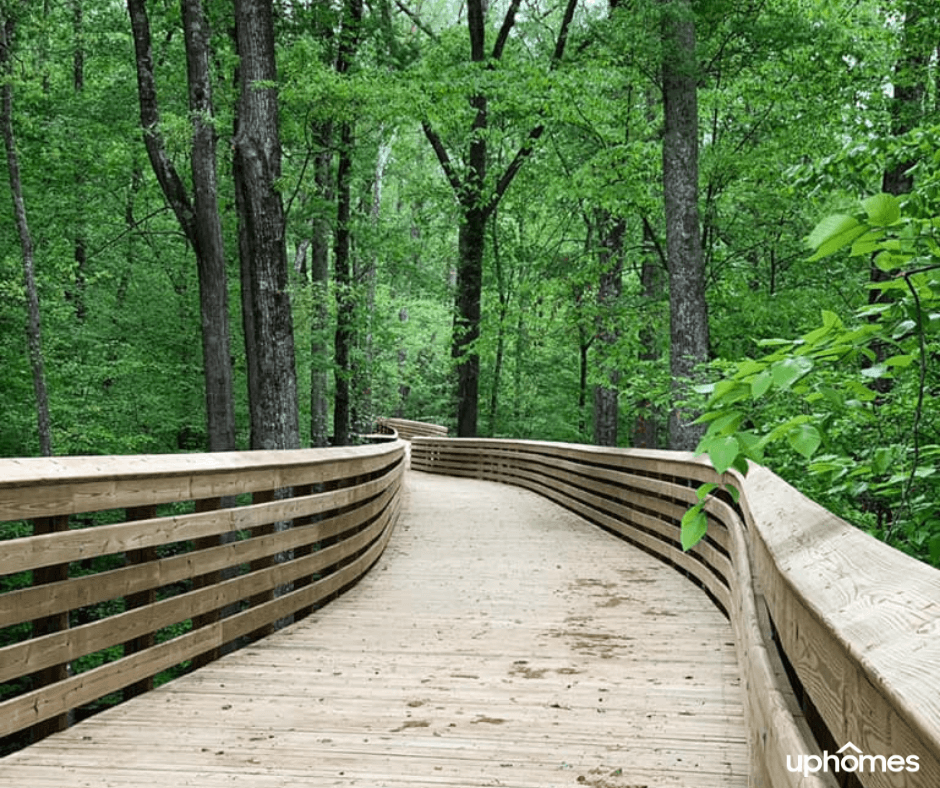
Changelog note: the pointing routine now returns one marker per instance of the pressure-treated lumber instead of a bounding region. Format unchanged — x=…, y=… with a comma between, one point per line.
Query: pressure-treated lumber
x=407, y=429
x=177, y=575
x=500, y=641
x=857, y=620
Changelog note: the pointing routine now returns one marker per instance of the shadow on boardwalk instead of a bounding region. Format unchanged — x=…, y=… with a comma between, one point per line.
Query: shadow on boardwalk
x=501, y=641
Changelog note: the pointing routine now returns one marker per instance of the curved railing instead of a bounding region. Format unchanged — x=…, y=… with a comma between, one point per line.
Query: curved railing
x=837, y=635
x=407, y=429
x=140, y=564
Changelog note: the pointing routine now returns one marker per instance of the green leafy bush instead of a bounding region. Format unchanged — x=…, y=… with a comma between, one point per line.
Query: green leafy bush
x=844, y=406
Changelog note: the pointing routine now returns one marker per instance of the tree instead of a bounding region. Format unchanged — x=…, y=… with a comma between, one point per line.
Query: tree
x=687, y=306
x=266, y=308
x=199, y=217
x=477, y=199
x=34, y=324
x=342, y=273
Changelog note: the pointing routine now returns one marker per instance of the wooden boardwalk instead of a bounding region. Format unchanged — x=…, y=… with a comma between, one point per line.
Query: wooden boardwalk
x=501, y=641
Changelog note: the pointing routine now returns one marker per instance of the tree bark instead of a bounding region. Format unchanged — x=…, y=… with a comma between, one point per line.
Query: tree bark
x=342, y=265
x=34, y=324
x=76, y=294
x=345, y=299
x=645, y=430
x=610, y=288
x=320, y=283
x=687, y=307
x=257, y=168
x=210, y=256
x=199, y=219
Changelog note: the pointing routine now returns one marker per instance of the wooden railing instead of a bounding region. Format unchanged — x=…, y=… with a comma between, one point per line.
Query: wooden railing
x=406, y=429
x=837, y=635
x=134, y=566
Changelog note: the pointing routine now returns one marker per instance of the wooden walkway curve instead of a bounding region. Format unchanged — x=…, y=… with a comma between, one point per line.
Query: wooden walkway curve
x=500, y=641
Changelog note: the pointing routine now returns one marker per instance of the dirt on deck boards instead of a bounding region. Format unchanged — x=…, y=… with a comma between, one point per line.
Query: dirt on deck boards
x=500, y=641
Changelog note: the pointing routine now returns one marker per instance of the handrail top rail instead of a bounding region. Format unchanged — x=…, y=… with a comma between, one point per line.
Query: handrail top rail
x=19, y=471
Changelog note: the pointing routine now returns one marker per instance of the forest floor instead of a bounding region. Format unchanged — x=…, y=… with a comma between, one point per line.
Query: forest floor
x=500, y=641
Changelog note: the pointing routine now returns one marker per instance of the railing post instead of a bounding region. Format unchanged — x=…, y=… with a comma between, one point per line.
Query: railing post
x=262, y=496
x=305, y=549
x=142, y=555
x=208, y=579
x=50, y=624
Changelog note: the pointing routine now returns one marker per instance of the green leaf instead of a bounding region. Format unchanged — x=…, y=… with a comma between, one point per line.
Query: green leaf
x=722, y=452
x=761, y=384
x=899, y=361
x=870, y=242
x=751, y=445
x=882, y=209
x=704, y=489
x=805, y=439
x=726, y=423
x=694, y=526
x=934, y=547
x=787, y=372
x=734, y=492
x=834, y=232
x=891, y=261
x=902, y=328
x=881, y=460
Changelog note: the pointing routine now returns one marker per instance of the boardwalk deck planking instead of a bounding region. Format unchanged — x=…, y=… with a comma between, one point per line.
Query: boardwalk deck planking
x=501, y=641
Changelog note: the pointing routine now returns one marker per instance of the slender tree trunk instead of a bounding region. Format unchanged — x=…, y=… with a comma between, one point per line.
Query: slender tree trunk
x=504, y=295
x=210, y=258
x=198, y=219
x=610, y=288
x=342, y=265
x=33, y=325
x=645, y=431
x=471, y=244
x=76, y=294
x=257, y=168
x=585, y=340
x=688, y=309
x=321, y=358
x=345, y=299
x=909, y=83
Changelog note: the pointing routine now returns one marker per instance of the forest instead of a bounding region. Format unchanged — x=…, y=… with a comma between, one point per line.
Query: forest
x=708, y=225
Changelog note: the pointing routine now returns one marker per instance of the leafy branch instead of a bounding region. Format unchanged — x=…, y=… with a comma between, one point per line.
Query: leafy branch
x=883, y=340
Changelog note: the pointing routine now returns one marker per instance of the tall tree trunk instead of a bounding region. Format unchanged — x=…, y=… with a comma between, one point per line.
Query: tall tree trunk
x=687, y=307
x=345, y=298
x=76, y=294
x=321, y=358
x=257, y=168
x=645, y=430
x=210, y=258
x=342, y=266
x=33, y=325
x=504, y=293
x=610, y=288
x=199, y=221
x=471, y=245
x=907, y=111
